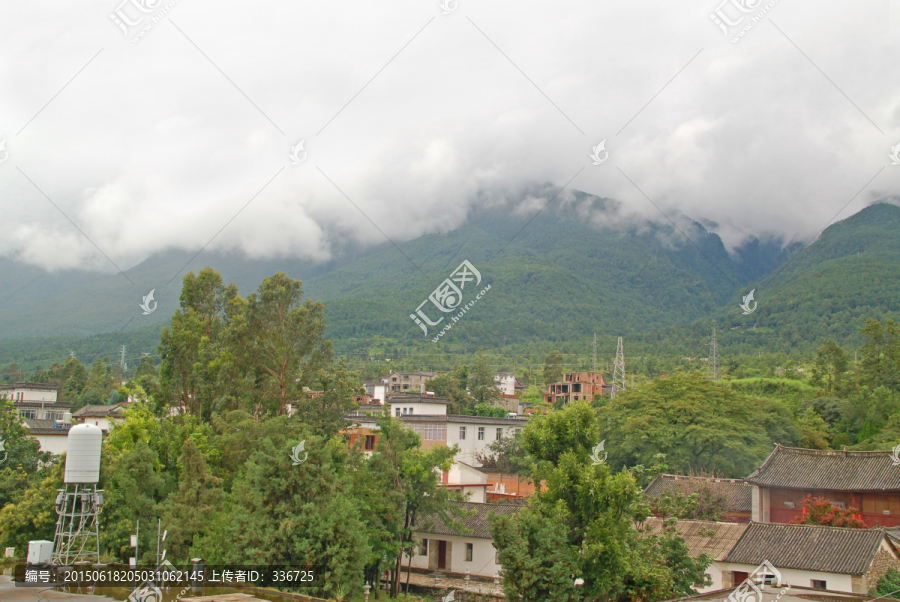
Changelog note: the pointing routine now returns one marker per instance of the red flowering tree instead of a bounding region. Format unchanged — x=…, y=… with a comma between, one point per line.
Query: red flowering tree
x=819, y=511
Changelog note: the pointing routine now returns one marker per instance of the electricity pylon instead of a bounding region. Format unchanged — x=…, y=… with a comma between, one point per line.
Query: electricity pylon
x=618, y=383
x=712, y=365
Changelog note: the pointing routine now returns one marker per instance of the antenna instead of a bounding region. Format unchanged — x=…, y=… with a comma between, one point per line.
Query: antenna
x=618, y=383
x=712, y=366
x=594, y=365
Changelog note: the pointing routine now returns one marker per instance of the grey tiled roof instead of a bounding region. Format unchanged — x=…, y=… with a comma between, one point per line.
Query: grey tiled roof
x=703, y=537
x=99, y=411
x=458, y=419
x=45, y=427
x=808, y=547
x=738, y=493
x=829, y=470
x=477, y=523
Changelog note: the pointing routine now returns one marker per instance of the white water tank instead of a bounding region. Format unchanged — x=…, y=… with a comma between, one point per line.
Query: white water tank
x=83, y=454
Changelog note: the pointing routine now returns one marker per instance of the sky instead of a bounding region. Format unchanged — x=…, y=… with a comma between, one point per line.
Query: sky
x=174, y=127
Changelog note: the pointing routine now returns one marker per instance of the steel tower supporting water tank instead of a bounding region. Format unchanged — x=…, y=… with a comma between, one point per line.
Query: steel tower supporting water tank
x=77, y=536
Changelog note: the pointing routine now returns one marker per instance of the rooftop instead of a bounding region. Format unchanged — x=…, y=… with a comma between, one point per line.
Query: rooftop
x=737, y=492
x=829, y=470
x=46, y=427
x=808, y=547
x=463, y=419
x=99, y=411
x=477, y=523
x=703, y=537
x=36, y=386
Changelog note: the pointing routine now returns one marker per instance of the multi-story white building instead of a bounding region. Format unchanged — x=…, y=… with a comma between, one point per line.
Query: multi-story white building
x=398, y=382
x=47, y=419
x=507, y=383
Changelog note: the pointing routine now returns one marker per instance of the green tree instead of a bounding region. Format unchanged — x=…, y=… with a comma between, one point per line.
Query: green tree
x=813, y=430
x=553, y=370
x=191, y=347
x=888, y=585
x=327, y=413
x=879, y=363
x=188, y=512
x=700, y=425
x=831, y=364
x=282, y=339
x=482, y=385
x=31, y=516
x=454, y=388
x=592, y=512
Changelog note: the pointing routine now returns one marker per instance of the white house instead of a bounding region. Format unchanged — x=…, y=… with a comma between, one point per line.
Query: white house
x=441, y=548
x=825, y=558
x=47, y=419
x=832, y=558
x=473, y=434
x=404, y=404
x=466, y=478
x=377, y=390
x=51, y=434
x=100, y=415
x=506, y=382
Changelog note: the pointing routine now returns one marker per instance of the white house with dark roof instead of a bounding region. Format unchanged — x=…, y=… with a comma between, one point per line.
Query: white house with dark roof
x=103, y=416
x=705, y=537
x=404, y=404
x=48, y=420
x=442, y=548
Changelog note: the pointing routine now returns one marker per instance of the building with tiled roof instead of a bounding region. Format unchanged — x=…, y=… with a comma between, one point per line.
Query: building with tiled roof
x=866, y=480
x=103, y=416
x=704, y=537
x=834, y=558
x=51, y=434
x=443, y=548
x=737, y=493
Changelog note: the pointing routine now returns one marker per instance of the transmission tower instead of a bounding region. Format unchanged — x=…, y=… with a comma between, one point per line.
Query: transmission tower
x=594, y=364
x=618, y=383
x=122, y=360
x=712, y=366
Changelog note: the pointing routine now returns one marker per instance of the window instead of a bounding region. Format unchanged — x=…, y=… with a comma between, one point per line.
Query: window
x=411, y=410
x=819, y=584
x=788, y=504
x=470, y=550
x=462, y=432
x=370, y=442
x=481, y=433
x=397, y=412
x=54, y=415
x=430, y=432
x=26, y=413
x=423, y=547
x=499, y=434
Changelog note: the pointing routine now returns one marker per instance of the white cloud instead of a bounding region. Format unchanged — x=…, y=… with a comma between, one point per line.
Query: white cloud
x=151, y=147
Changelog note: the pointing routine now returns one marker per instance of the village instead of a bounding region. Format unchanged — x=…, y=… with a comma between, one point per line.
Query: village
x=755, y=541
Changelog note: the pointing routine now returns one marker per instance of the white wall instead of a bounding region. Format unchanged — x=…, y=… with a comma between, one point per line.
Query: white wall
x=29, y=395
x=833, y=581
x=506, y=383
x=418, y=408
x=55, y=444
x=103, y=422
x=472, y=444
x=482, y=559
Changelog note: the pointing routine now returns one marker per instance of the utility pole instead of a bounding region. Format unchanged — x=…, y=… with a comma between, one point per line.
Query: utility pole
x=712, y=366
x=594, y=364
x=618, y=383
